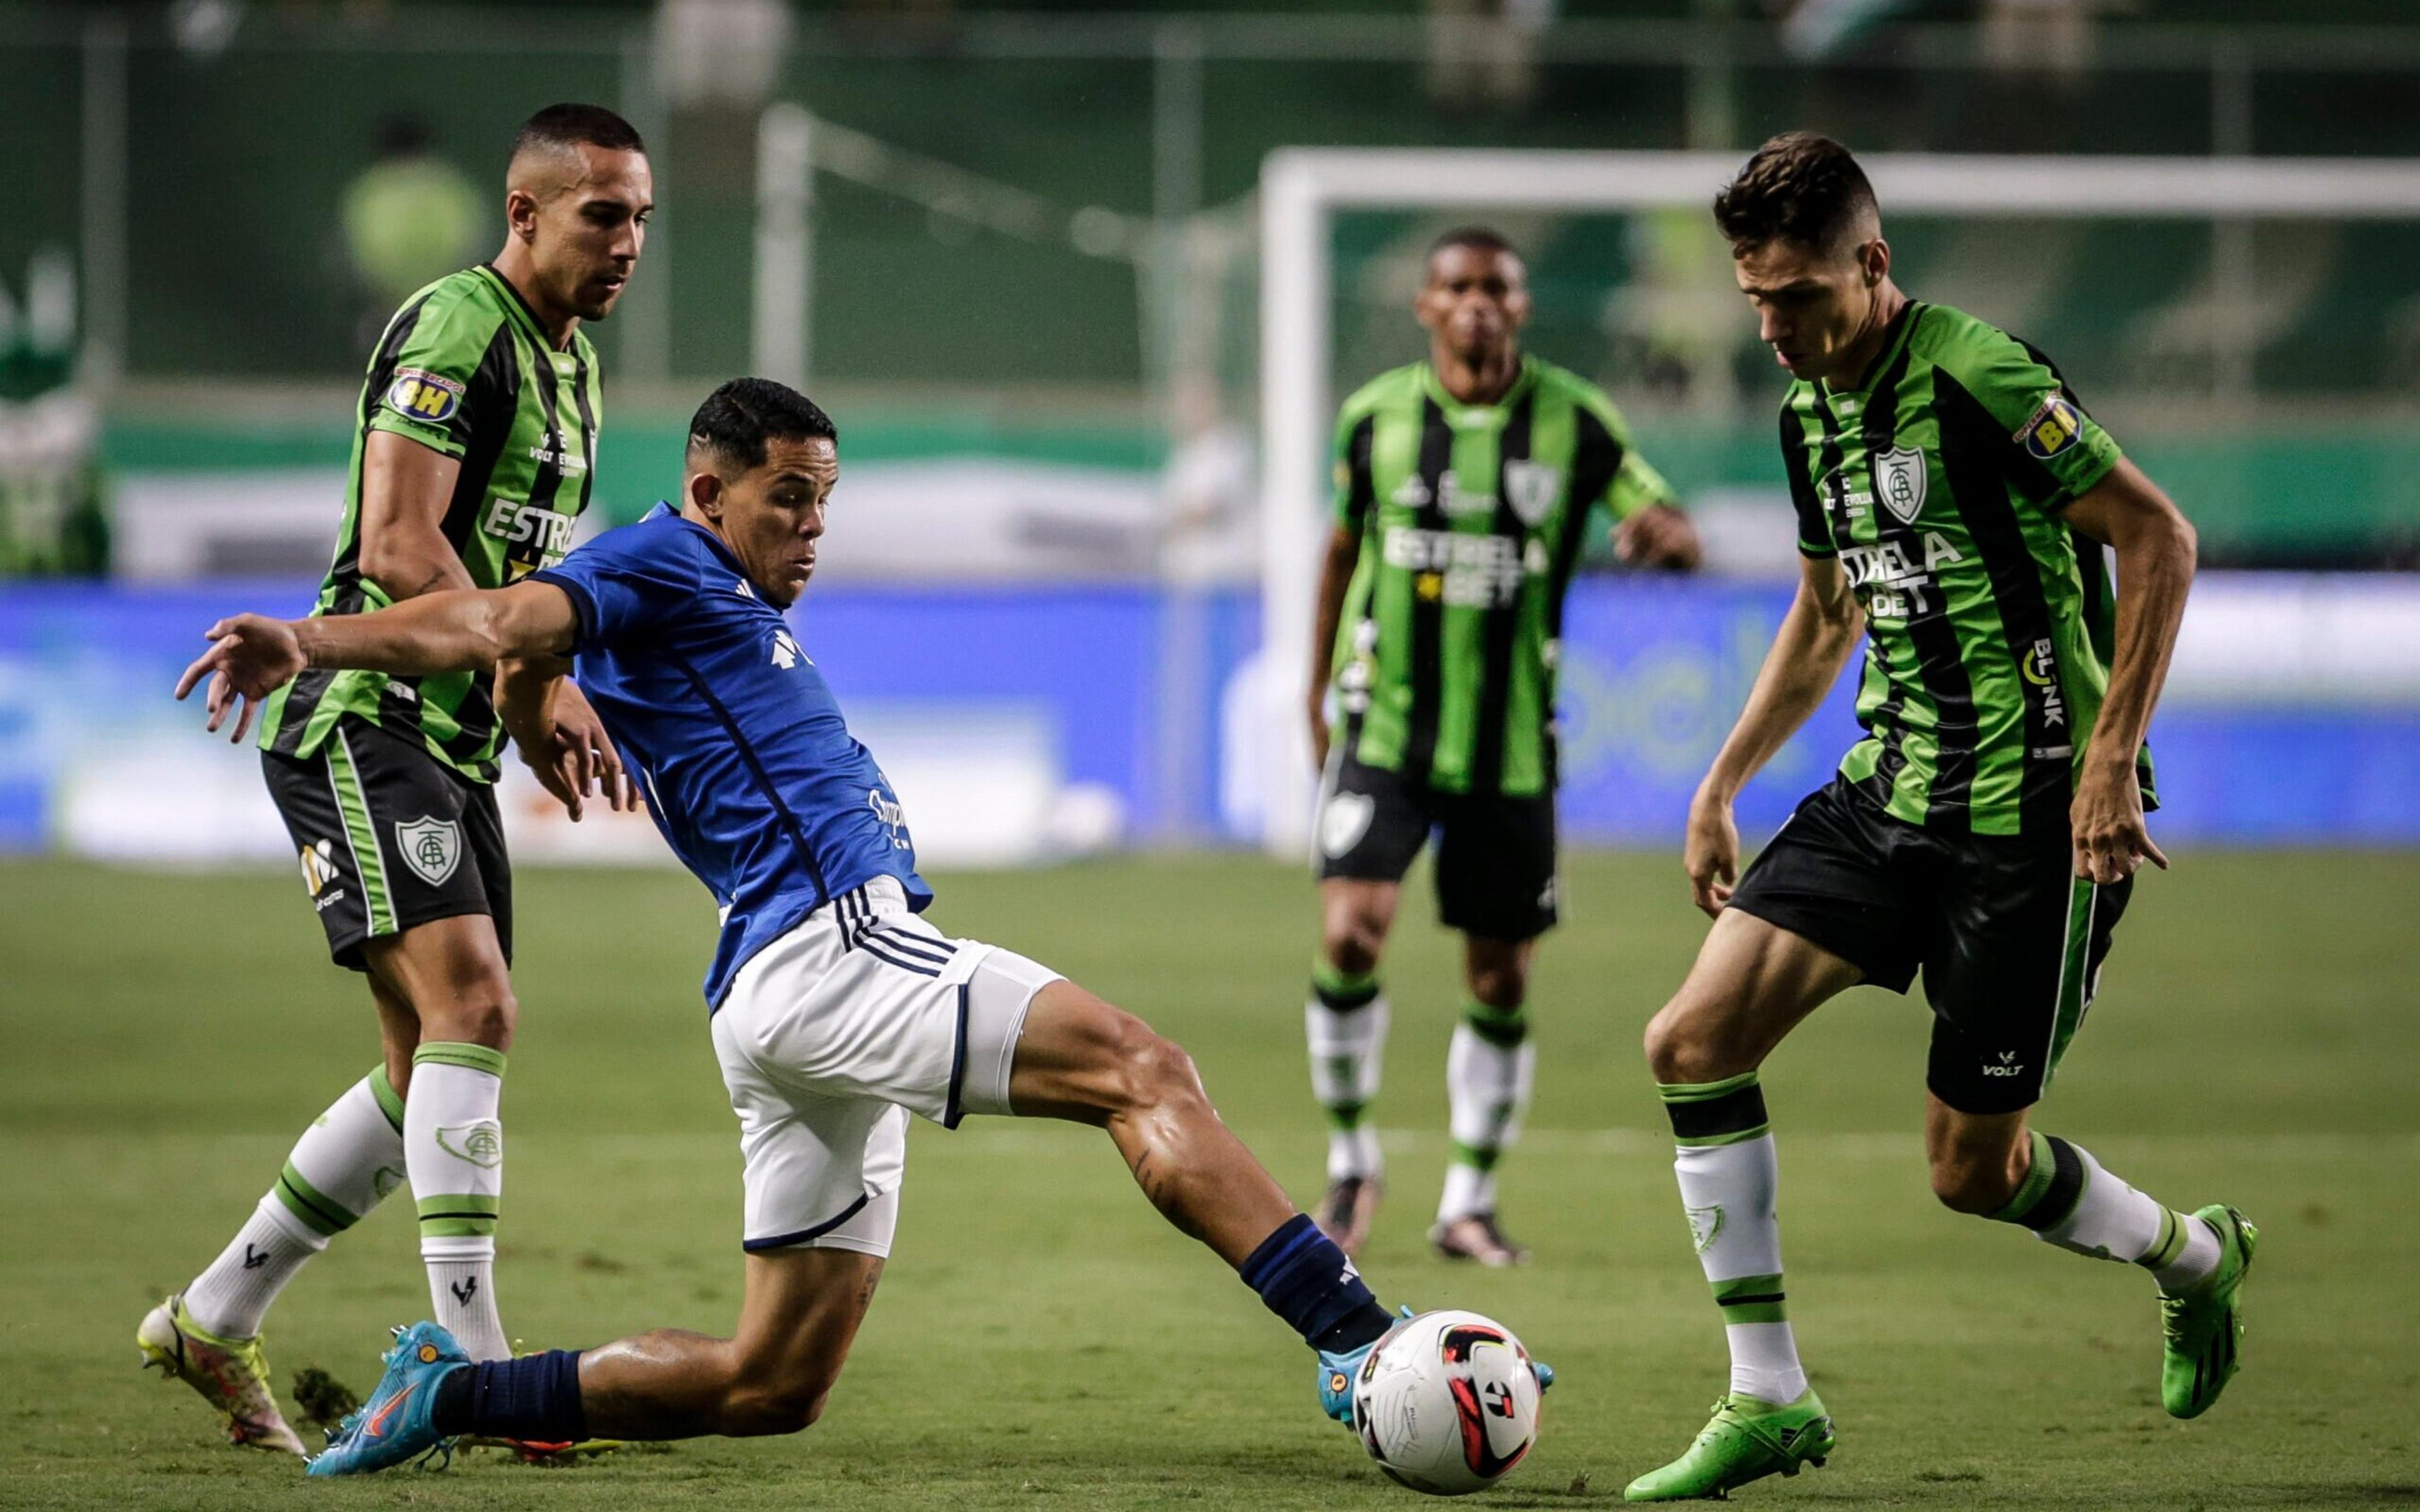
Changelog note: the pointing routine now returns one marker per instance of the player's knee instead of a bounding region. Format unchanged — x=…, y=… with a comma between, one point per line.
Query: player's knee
x=1971, y=1181
x=764, y=1400
x=483, y=1013
x=765, y=1410
x=1153, y=1070
x=1353, y=942
x=1499, y=984
x=1678, y=1050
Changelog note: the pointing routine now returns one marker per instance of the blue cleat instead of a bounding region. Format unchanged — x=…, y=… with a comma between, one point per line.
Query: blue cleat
x=395, y=1424
x=1340, y=1373
x=1337, y=1375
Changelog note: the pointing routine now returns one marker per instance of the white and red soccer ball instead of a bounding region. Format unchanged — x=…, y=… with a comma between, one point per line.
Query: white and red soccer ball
x=1447, y=1402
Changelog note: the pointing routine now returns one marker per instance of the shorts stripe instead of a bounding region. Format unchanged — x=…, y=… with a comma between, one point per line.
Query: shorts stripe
x=908, y=943
x=2066, y=1011
x=875, y=950
x=952, y=1110
x=360, y=836
x=801, y=1236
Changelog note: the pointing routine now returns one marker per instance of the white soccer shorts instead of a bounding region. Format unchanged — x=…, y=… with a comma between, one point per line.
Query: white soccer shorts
x=831, y=1035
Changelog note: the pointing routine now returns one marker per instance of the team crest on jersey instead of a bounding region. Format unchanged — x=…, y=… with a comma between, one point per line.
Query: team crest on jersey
x=1531, y=489
x=2054, y=428
x=1898, y=481
x=431, y=847
x=427, y=398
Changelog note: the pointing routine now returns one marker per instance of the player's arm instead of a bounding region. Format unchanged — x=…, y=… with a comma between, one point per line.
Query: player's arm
x=452, y=630
x=1815, y=641
x=2155, y=548
x=407, y=486
x=1327, y=614
x=560, y=739
x=1649, y=529
x=1355, y=495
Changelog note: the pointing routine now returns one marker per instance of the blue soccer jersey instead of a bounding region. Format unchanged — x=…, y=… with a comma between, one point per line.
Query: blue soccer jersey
x=750, y=772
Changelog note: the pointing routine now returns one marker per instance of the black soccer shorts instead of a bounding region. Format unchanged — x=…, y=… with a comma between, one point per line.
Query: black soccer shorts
x=390, y=837
x=2010, y=939
x=1495, y=855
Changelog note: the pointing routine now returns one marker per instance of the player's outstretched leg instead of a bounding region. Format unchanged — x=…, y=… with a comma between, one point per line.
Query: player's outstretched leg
x=1344, y=1023
x=1751, y=985
x=1992, y=1165
x=209, y=1334
x=797, y=1322
x=1489, y=1071
x=1078, y=1058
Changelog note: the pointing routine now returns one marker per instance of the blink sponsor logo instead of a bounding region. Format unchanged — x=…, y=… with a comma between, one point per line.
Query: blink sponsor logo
x=2040, y=666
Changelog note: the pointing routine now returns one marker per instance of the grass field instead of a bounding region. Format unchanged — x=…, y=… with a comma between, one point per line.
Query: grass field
x=1041, y=1340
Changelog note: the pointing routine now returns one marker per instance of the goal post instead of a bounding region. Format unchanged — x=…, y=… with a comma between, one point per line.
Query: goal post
x=1303, y=188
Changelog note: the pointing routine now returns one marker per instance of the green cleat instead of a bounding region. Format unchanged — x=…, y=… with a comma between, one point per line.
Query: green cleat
x=2203, y=1325
x=1747, y=1439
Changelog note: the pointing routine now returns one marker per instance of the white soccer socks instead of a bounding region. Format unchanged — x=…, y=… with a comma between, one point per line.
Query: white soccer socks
x=1346, y=1023
x=344, y=1165
x=1730, y=1178
x=1489, y=1071
x=2069, y=1200
x=455, y=1148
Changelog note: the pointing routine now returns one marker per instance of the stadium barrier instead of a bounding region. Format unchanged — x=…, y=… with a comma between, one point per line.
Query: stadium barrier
x=1023, y=723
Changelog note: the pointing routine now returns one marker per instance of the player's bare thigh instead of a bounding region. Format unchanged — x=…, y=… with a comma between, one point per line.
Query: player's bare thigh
x=798, y=1321
x=1752, y=983
x=450, y=974
x=1356, y=915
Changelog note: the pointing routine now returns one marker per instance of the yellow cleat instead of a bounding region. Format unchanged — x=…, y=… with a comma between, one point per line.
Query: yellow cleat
x=232, y=1375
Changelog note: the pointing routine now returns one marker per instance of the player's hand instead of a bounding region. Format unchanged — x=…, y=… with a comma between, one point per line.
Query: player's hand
x=250, y=656
x=1319, y=733
x=574, y=759
x=2105, y=824
x=1657, y=536
x=1709, y=853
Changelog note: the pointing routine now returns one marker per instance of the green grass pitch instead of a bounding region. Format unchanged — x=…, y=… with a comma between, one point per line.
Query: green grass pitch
x=1042, y=1340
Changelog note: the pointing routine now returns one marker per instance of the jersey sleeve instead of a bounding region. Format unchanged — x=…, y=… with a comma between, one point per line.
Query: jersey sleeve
x=445, y=368
x=1635, y=484
x=2055, y=449
x=1354, y=490
x=625, y=583
x=1814, y=528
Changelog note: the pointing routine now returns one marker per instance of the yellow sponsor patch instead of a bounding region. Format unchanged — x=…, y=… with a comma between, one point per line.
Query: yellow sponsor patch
x=429, y=398
x=2054, y=428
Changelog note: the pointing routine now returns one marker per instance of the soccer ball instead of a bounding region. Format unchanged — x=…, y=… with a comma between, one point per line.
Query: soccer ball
x=1447, y=1402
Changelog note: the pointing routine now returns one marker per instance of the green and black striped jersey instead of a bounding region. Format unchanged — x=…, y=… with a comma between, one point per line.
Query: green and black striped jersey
x=1989, y=621
x=464, y=367
x=1472, y=520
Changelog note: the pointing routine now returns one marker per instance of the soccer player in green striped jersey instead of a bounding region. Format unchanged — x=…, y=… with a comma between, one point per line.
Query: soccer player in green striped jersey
x=1954, y=499
x=1464, y=488
x=475, y=437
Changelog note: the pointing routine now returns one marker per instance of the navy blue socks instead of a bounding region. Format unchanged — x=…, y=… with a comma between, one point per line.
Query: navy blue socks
x=1305, y=1280
x=535, y=1398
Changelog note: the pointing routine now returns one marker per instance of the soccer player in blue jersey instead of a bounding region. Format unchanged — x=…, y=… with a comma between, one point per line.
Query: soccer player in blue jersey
x=836, y=1010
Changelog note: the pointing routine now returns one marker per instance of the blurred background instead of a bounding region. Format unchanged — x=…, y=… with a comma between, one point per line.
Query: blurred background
x=1018, y=252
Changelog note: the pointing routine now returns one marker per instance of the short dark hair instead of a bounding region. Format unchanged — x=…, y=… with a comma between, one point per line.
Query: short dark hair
x=737, y=419
x=574, y=125
x=1477, y=238
x=1800, y=187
